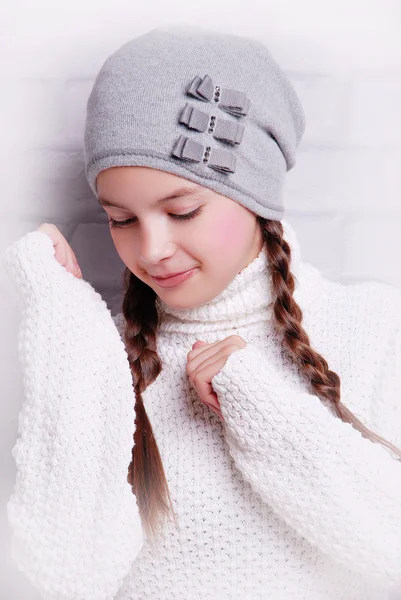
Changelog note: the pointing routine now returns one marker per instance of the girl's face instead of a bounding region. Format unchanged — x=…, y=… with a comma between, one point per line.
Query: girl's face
x=219, y=240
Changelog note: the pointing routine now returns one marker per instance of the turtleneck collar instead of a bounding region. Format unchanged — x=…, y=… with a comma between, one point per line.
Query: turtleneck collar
x=247, y=299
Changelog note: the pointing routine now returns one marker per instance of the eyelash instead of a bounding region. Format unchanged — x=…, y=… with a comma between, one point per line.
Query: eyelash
x=122, y=224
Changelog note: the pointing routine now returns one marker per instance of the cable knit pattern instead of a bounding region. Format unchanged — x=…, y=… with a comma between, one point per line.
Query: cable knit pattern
x=280, y=500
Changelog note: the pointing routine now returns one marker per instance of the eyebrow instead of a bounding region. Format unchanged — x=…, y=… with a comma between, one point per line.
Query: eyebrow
x=183, y=191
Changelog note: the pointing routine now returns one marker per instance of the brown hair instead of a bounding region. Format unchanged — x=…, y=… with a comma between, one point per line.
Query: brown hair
x=145, y=473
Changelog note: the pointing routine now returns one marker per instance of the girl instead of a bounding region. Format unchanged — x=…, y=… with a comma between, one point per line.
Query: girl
x=249, y=400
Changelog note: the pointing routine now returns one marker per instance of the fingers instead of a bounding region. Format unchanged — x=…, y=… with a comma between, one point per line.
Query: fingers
x=201, y=379
x=202, y=359
x=64, y=254
x=66, y=257
x=209, y=355
x=204, y=346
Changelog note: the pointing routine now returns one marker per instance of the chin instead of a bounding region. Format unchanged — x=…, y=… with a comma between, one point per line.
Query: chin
x=182, y=301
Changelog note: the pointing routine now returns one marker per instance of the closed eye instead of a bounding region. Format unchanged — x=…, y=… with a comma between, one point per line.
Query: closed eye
x=127, y=222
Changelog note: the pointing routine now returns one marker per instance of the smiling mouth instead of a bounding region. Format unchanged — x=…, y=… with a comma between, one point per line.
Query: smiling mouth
x=174, y=279
x=171, y=274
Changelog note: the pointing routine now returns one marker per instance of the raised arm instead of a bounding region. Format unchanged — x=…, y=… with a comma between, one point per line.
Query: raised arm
x=75, y=522
x=337, y=489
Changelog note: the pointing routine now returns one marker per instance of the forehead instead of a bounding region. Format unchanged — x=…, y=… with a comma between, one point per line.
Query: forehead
x=182, y=192
x=140, y=178
x=120, y=186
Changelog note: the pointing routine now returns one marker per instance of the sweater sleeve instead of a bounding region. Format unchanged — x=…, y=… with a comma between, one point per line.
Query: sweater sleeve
x=337, y=489
x=75, y=523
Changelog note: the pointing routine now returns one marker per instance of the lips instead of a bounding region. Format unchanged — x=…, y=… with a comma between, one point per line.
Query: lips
x=170, y=275
x=174, y=280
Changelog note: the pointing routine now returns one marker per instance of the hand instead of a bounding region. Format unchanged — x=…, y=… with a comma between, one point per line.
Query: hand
x=205, y=361
x=63, y=251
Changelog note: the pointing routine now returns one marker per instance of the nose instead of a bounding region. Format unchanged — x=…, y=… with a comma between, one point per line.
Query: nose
x=155, y=245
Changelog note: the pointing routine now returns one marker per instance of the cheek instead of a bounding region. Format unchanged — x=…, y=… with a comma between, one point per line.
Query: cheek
x=225, y=233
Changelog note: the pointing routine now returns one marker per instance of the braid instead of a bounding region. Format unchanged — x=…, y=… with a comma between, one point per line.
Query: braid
x=288, y=320
x=145, y=473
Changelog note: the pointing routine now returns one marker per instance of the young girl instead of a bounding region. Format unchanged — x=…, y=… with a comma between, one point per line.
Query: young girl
x=250, y=402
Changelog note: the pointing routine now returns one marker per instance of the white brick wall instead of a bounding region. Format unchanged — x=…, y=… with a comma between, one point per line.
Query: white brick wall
x=343, y=197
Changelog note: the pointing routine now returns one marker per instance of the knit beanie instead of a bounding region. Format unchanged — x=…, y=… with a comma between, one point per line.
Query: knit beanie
x=214, y=108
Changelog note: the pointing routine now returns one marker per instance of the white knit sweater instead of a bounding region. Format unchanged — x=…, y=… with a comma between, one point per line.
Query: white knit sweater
x=281, y=500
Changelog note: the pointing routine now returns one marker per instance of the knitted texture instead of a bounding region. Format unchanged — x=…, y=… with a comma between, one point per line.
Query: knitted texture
x=248, y=118
x=280, y=500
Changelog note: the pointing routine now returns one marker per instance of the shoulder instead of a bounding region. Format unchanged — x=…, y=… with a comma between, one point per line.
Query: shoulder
x=353, y=326
x=370, y=305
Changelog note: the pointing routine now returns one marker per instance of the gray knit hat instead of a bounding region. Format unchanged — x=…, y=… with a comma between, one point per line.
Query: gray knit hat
x=214, y=108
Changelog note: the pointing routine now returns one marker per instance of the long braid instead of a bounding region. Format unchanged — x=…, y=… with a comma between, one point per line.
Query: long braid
x=288, y=320
x=145, y=472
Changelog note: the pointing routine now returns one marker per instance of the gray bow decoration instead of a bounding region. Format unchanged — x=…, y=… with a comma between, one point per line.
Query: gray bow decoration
x=232, y=101
x=194, y=118
x=223, y=129
x=216, y=158
x=229, y=131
